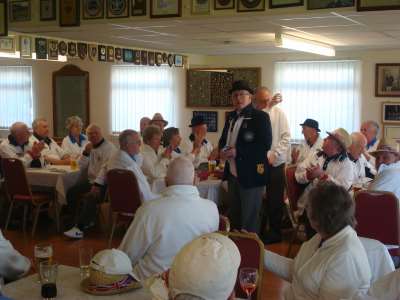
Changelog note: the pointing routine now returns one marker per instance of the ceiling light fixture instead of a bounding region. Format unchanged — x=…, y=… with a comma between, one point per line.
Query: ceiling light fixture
x=301, y=44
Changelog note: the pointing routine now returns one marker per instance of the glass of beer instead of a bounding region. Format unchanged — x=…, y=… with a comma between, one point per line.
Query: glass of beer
x=73, y=164
x=48, y=271
x=42, y=253
x=85, y=257
x=212, y=164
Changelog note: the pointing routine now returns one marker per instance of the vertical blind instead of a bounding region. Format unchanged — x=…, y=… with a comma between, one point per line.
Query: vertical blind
x=327, y=91
x=138, y=91
x=15, y=95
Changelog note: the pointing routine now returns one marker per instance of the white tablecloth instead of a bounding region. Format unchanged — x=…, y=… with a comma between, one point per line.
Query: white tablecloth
x=208, y=189
x=68, y=288
x=59, y=177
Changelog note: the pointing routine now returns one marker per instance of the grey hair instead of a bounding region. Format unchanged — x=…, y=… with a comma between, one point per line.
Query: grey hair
x=374, y=124
x=17, y=126
x=358, y=139
x=36, y=122
x=93, y=126
x=186, y=296
x=73, y=120
x=149, y=132
x=180, y=172
x=125, y=137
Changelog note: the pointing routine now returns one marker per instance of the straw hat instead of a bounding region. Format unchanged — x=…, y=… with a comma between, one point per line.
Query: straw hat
x=206, y=267
x=110, y=273
x=342, y=137
x=389, y=146
x=158, y=117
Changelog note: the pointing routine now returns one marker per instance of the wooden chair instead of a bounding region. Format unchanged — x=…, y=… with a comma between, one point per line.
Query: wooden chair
x=18, y=190
x=294, y=190
x=124, y=196
x=224, y=223
x=252, y=256
x=378, y=217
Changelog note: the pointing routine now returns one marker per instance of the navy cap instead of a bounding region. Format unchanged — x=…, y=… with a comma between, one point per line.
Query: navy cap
x=311, y=123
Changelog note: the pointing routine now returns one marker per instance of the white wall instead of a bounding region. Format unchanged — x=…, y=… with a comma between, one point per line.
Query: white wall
x=100, y=83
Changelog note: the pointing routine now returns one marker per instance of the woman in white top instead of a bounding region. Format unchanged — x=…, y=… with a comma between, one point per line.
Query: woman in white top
x=333, y=264
x=172, y=139
x=155, y=157
x=74, y=143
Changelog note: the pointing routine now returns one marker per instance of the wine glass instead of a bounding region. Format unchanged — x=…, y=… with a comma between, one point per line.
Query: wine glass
x=248, y=278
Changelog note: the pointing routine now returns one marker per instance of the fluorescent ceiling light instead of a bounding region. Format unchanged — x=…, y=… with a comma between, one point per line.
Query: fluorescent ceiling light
x=301, y=44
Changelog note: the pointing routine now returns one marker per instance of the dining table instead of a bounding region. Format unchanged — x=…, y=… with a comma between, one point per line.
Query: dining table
x=68, y=288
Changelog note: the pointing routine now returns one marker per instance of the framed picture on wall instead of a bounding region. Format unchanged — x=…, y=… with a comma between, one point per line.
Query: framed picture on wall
x=69, y=13
x=210, y=117
x=250, y=5
x=25, y=46
x=391, y=113
x=117, y=8
x=3, y=18
x=377, y=4
x=319, y=4
x=224, y=4
x=200, y=7
x=92, y=9
x=47, y=10
x=165, y=8
x=387, y=80
x=392, y=132
x=138, y=8
x=7, y=44
x=285, y=3
x=20, y=11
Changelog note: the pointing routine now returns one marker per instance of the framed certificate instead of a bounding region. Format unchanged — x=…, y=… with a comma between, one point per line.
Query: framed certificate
x=165, y=8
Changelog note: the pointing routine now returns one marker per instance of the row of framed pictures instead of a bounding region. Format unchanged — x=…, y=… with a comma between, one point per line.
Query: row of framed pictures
x=51, y=49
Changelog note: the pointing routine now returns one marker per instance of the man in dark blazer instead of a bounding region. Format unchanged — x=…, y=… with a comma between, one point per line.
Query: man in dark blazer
x=244, y=144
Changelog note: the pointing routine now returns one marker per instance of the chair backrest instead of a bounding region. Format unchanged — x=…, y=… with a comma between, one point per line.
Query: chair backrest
x=15, y=180
x=123, y=191
x=224, y=223
x=252, y=256
x=377, y=215
x=293, y=188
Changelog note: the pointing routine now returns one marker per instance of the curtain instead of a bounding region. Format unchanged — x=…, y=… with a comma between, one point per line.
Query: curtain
x=327, y=91
x=139, y=91
x=15, y=95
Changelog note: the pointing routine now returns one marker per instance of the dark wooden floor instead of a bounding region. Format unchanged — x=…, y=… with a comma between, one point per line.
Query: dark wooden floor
x=66, y=251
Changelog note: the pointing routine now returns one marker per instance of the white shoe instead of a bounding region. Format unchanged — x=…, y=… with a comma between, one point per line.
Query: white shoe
x=74, y=233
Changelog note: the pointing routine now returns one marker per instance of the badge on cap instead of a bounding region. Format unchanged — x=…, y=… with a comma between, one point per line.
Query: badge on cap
x=260, y=169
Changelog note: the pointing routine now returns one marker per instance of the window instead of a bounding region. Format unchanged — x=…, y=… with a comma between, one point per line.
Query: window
x=15, y=95
x=327, y=91
x=139, y=91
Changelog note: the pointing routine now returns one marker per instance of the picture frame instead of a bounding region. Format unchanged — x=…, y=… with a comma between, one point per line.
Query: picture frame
x=4, y=18
x=110, y=53
x=136, y=57
x=210, y=118
x=117, y=9
x=118, y=54
x=224, y=4
x=62, y=48
x=7, y=44
x=53, y=50
x=69, y=13
x=285, y=3
x=159, y=59
x=391, y=132
x=25, y=46
x=82, y=50
x=72, y=50
x=20, y=11
x=250, y=5
x=165, y=8
x=127, y=55
x=322, y=4
x=366, y=5
x=48, y=10
x=92, y=9
x=138, y=8
x=391, y=113
x=92, y=52
x=143, y=57
x=200, y=7
x=102, y=51
x=387, y=80
x=151, y=58
x=41, y=48
x=178, y=60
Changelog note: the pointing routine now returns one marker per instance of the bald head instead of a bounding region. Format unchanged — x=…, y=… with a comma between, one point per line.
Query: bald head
x=262, y=97
x=359, y=142
x=20, y=132
x=180, y=172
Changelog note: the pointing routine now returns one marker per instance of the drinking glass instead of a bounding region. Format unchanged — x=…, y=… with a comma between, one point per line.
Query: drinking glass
x=212, y=164
x=73, y=164
x=42, y=253
x=48, y=271
x=85, y=256
x=248, y=278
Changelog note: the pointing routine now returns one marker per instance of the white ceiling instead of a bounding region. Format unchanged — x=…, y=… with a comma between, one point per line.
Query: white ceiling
x=238, y=34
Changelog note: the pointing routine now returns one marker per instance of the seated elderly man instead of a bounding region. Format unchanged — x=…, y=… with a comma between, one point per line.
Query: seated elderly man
x=96, y=154
x=52, y=153
x=333, y=264
x=155, y=158
x=312, y=141
x=198, y=145
x=370, y=129
x=362, y=168
x=388, y=165
x=13, y=265
x=161, y=227
x=127, y=158
x=211, y=255
x=17, y=145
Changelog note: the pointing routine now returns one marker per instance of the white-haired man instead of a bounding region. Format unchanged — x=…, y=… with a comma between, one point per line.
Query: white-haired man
x=387, y=157
x=51, y=152
x=96, y=154
x=363, y=170
x=17, y=145
x=210, y=256
x=163, y=226
x=370, y=129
